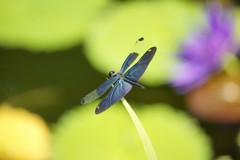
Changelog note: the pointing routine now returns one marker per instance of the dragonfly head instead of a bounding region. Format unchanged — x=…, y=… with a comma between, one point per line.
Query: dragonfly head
x=111, y=73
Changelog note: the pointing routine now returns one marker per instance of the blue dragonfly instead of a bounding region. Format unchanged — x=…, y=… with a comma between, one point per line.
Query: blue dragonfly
x=121, y=81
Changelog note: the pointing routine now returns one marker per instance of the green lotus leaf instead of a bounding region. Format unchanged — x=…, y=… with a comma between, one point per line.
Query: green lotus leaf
x=237, y=24
x=43, y=25
x=80, y=134
x=162, y=23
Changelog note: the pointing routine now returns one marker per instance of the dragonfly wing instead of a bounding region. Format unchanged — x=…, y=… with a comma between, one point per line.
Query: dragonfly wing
x=119, y=90
x=137, y=70
x=99, y=91
x=129, y=60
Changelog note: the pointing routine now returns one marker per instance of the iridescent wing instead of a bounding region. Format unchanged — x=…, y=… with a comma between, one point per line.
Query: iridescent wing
x=128, y=61
x=137, y=70
x=99, y=91
x=120, y=89
x=132, y=56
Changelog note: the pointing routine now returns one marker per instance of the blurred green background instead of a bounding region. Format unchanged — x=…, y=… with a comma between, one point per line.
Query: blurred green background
x=52, y=53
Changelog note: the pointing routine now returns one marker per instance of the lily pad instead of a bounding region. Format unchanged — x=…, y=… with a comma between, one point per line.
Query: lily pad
x=23, y=135
x=162, y=23
x=43, y=25
x=80, y=134
x=237, y=22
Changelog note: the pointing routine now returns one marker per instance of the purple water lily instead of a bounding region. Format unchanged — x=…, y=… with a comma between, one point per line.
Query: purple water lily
x=203, y=54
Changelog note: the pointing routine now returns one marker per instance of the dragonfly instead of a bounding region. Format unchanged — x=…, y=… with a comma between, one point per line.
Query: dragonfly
x=122, y=81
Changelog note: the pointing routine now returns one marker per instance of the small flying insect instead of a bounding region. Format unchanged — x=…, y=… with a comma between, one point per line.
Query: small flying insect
x=121, y=81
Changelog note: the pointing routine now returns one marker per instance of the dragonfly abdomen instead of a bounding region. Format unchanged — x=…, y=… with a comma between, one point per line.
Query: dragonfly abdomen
x=133, y=83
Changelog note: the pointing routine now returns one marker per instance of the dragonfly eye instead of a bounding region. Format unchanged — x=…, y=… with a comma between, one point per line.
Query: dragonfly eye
x=111, y=73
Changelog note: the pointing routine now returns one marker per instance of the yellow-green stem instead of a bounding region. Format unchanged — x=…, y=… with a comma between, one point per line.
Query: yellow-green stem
x=151, y=155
